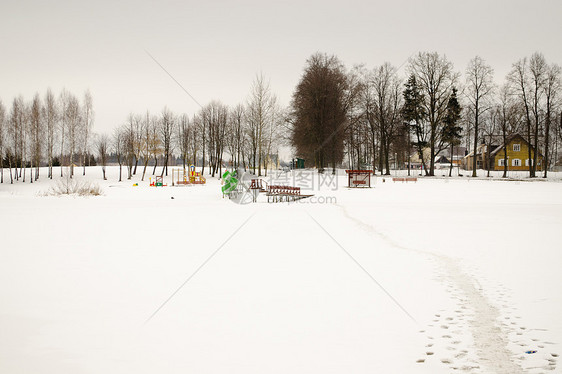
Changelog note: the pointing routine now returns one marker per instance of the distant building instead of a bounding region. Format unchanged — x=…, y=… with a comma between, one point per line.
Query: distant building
x=442, y=162
x=458, y=154
x=272, y=162
x=482, y=157
x=415, y=160
x=517, y=156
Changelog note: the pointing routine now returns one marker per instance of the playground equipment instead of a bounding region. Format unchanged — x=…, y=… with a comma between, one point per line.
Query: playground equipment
x=359, y=178
x=159, y=182
x=182, y=177
x=230, y=183
x=235, y=187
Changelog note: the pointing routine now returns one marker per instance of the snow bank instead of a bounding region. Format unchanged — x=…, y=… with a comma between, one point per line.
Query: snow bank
x=422, y=277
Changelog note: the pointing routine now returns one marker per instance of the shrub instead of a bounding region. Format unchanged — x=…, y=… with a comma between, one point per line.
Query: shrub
x=69, y=186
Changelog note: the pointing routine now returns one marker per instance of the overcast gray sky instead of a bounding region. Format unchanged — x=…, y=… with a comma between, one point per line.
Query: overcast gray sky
x=216, y=48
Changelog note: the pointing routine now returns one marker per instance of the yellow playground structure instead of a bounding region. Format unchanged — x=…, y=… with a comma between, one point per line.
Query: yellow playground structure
x=183, y=177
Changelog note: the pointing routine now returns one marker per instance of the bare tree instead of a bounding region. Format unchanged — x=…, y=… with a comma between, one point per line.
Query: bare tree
x=2, y=134
x=63, y=98
x=73, y=120
x=436, y=78
x=196, y=135
x=509, y=117
x=103, y=147
x=119, y=148
x=87, y=124
x=489, y=131
x=145, y=141
x=362, y=133
x=184, y=138
x=259, y=114
x=201, y=124
x=50, y=115
x=138, y=141
x=273, y=137
x=235, y=134
x=167, y=125
x=387, y=105
x=215, y=114
x=155, y=143
x=129, y=134
x=17, y=132
x=36, y=135
x=551, y=92
x=480, y=86
x=527, y=78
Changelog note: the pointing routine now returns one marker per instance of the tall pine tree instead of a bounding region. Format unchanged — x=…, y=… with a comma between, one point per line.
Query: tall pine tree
x=414, y=113
x=451, y=131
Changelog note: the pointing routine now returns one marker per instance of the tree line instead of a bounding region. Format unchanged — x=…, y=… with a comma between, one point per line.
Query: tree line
x=56, y=130
x=360, y=117
x=247, y=135
x=368, y=117
x=48, y=130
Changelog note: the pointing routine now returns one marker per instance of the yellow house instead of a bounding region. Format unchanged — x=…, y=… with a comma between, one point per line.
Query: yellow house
x=517, y=155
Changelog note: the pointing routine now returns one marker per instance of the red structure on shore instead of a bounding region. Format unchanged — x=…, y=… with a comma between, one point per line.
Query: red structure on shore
x=359, y=178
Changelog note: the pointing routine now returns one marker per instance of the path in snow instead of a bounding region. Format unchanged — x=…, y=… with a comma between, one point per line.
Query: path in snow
x=474, y=325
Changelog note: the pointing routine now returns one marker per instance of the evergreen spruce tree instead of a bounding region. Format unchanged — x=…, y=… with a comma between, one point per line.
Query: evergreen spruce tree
x=414, y=113
x=451, y=131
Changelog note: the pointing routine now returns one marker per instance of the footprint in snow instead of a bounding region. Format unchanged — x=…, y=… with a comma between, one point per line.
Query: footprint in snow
x=460, y=355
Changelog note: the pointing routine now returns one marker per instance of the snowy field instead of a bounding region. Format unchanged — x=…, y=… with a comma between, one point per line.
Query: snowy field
x=439, y=276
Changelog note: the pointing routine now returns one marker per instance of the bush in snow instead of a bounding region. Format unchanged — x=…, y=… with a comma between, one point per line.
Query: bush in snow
x=69, y=186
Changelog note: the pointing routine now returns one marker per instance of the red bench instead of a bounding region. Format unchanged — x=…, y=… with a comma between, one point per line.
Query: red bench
x=405, y=179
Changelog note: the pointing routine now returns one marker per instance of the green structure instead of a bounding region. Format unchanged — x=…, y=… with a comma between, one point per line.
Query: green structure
x=297, y=163
x=230, y=182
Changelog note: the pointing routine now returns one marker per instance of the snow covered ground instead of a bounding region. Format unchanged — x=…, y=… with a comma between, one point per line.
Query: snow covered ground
x=438, y=276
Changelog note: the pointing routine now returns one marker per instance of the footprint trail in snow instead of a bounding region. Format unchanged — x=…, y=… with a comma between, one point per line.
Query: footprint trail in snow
x=481, y=334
